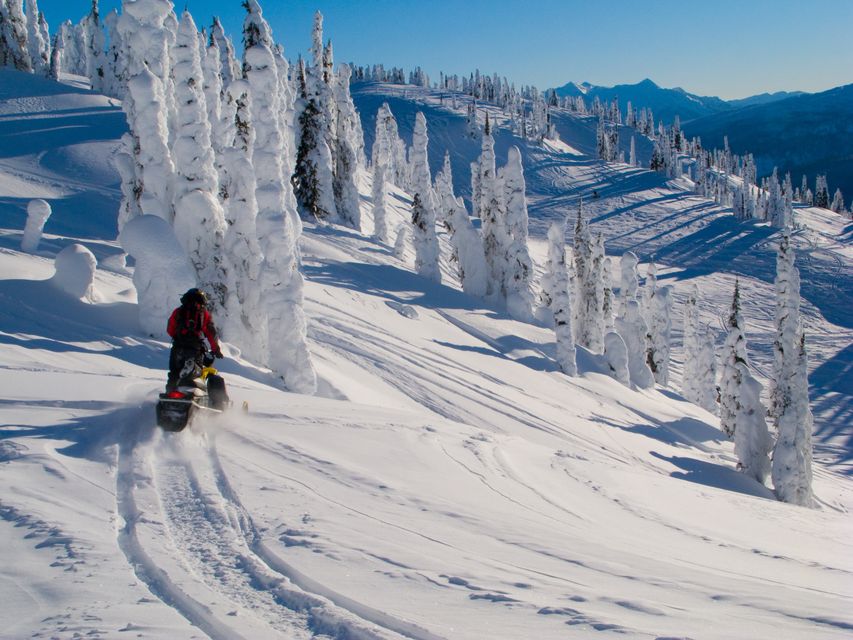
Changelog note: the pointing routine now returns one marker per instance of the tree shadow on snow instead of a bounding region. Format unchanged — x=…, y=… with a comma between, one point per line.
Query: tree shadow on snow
x=716, y=476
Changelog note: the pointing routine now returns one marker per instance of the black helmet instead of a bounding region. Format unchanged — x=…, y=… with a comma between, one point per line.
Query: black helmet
x=194, y=296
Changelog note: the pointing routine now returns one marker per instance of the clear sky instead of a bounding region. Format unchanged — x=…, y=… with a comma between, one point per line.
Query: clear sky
x=727, y=48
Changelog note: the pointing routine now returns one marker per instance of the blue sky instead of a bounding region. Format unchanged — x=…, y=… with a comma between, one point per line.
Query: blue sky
x=727, y=48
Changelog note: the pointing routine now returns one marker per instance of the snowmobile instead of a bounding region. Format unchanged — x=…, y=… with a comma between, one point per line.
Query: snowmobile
x=200, y=390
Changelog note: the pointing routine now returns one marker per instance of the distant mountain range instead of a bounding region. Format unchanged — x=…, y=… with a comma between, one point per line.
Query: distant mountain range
x=667, y=103
x=805, y=134
x=795, y=131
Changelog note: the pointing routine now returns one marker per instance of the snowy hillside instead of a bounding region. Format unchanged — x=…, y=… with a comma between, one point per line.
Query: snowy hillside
x=447, y=481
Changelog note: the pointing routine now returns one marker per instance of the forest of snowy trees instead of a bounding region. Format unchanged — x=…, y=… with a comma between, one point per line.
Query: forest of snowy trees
x=226, y=158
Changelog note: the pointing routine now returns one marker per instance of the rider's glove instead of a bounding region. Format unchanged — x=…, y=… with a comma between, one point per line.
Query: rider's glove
x=218, y=353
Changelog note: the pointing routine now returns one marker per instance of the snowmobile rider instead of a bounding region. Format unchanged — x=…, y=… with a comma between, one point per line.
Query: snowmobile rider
x=188, y=325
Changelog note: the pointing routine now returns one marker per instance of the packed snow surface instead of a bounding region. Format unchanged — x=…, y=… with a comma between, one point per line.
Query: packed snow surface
x=447, y=481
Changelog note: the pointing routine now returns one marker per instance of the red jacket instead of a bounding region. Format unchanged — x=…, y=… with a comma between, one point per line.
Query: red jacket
x=188, y=325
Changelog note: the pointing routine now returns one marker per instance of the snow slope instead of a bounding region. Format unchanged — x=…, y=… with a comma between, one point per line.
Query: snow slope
x=447, y=481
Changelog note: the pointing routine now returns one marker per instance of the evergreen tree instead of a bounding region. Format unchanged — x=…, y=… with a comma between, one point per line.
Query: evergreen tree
x=94, y=43
x=660, y=331
x=821, y=193
x=228, y=64
x=556, y=293
x=423, y=207
x=345, y=153
x=792, y=455
x=837, y=202
x=789, y=399
x=379, y=193
x=14, y=49
x=741, y=413
x=519, y=272
x=37, y=48
x=245, y=320
x=280, y=280
x=199, y=219
x=491, y=209
x=633, y=330
x=699, y=375
x=589, y=291
x=55, y=58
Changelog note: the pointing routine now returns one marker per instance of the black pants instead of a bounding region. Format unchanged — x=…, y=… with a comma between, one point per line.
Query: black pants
x=178, y=357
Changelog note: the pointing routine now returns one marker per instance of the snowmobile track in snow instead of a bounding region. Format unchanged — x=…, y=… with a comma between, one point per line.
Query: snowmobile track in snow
x=215, y=553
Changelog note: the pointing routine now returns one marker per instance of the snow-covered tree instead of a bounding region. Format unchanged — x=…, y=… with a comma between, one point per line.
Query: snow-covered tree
x=346, y=150
x=38, y=48
x=229, y=65
x=245, y=320
x=660, y=329
x=148, y=187
x=629, y=280
x=792, y=455
x=789, y=401
x=741, y=413
x=465, y=241
x=55, y=59
x=519, y=266
x=38, y=211
x=379, y=193
x=280, y=280
x=423, y=207
x=821, y=193
x=632, y=328
x=589, y=292
x=616, y=354
x=837, y=202
x=94, y=40
x=607, y=307
x=388, y=149
x=699, y=384
x=491, y=209
x=555, y=291
x=199, y=218
x=14, y=50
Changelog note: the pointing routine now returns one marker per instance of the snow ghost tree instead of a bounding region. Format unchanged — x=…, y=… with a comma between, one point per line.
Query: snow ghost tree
x=38, y=48
x=490, y=208
x=162, y=273
x=632, y=328
x=465, y=241
x=660, y=329
x=589, y=288
x=423, y=209
x=379, y=194
x=555, y=290
x=741, y=413
x=345, y=154
x=13, y=36
x=699, y=377
x=199, y=218
x=313, y=176
x=616, y=354
x=629, y=281
x=519, y=266
x=75, y=272
x=789, y=408
x=279, y=278
x=38, y=211
x=245, y=321
x=148, y=145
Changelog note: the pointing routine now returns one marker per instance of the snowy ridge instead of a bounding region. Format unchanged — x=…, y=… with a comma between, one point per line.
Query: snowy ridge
x=447, y=481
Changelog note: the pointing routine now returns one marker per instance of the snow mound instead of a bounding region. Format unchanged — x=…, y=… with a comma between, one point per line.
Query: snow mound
x=75, y=272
